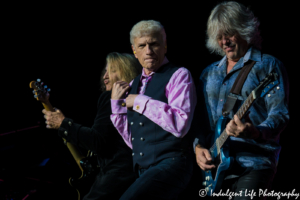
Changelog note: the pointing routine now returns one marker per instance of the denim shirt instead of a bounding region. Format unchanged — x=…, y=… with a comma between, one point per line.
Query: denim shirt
x=269, y=114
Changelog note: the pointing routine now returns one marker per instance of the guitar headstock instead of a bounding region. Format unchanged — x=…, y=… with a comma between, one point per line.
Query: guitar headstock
x=40, y=91
x=266, y=85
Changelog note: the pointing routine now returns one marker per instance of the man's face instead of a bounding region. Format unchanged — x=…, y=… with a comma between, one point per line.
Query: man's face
x=233, y=46
x=150, y=51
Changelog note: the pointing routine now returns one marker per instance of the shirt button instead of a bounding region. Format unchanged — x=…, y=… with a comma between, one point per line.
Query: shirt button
x=66, y=133
x=141, y=124
x=141, y=153
x=123, y=104
x=131, y=123
x=132, y=154
x=142, y=138
x=70, y=123
x=132, y=139
x=137, y=107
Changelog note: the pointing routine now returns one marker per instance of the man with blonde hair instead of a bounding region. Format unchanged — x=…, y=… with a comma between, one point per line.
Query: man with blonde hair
x=233, y=32
x=155, y=117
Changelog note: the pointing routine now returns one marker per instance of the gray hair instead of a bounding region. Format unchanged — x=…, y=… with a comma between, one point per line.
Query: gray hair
x=232, y=18
x=144, y=28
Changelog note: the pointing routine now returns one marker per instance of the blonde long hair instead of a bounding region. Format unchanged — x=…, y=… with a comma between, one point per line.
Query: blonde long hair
x=125, y=64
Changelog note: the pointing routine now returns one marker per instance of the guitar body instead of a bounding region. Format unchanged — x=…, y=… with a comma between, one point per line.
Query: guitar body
x=84, y=183
x=221, y=159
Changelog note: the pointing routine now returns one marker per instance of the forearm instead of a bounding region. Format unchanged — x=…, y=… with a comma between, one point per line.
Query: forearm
x=84, y=137
x=170, y=118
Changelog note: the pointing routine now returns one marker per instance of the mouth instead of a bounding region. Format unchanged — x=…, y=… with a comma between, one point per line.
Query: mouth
x=150, y=59
x=229, y=48
x=106, y=81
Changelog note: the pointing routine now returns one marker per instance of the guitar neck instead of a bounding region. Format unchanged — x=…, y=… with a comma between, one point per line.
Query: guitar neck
x=47, y=105
x=240, y=113
x=72, y=148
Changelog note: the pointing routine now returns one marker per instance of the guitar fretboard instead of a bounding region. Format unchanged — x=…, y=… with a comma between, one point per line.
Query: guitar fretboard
x=240, y=113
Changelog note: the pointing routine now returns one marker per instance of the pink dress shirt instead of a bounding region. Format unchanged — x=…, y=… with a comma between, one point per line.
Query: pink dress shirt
x=174, y=117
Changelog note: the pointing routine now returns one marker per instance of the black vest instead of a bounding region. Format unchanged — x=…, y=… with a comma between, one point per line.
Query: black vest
x=150, y=143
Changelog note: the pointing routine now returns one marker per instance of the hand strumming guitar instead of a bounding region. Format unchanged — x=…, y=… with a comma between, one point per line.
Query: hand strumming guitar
x=203, y=158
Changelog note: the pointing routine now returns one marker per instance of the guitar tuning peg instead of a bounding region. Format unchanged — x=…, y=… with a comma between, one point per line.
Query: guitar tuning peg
x=33, y=91
x=35, y=96
x=45, y=86
x=38, y=80
x=48, y=90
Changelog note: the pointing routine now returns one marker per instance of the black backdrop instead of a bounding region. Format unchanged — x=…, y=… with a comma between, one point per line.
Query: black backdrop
x=65, y=45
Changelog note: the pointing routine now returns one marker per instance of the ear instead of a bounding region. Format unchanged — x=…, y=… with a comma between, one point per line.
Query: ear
x=133, y=50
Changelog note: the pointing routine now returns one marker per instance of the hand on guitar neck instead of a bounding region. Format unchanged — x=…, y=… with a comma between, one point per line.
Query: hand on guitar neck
x=53, y=116
x=237, y=128
x=53, y=119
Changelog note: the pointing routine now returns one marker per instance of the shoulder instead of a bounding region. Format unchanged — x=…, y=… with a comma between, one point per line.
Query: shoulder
x=209, y=69
x=270, y=60
x=269, y=63
x=181, y=72
x=104, y=98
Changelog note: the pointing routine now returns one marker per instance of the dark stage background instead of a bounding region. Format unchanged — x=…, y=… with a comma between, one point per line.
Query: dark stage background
x=65, y=45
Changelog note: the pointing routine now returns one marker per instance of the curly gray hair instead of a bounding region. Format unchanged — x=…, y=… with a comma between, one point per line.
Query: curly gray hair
x=231, y=18
x=144, y=28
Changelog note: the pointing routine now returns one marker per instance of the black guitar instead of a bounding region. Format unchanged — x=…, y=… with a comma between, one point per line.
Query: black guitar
x=87, y=164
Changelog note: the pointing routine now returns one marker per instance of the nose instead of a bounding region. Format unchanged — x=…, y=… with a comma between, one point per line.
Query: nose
x=105, y=75
x=149, y=49
x=225, y=39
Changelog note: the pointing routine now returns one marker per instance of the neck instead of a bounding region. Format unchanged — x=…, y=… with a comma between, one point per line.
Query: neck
x=230, y=65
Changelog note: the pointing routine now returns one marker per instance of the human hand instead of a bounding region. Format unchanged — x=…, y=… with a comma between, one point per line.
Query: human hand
x=130, y=101
x=119, y=89
x=203, y=158
x=237, y=128
x=53, y=119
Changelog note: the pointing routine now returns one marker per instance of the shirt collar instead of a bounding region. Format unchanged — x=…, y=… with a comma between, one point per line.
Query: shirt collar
x=251, y=54
x=165, y=61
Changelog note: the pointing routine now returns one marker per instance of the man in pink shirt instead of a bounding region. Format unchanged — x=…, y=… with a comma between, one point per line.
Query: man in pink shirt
x=155, y=117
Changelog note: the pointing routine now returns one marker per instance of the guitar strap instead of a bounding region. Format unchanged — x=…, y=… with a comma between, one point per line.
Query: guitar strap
x=237, y=87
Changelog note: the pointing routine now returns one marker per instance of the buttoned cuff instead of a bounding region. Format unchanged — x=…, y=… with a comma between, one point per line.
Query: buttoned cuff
x=65, y=129
x=118, y=106
x=195, y=143
x=140, y=103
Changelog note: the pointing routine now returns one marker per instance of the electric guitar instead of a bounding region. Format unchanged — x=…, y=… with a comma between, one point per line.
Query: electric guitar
x=220, y=152
x=88, y=164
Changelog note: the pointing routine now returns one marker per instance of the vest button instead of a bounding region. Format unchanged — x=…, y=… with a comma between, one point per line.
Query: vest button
x=141, y=153
x=131, y=123
x=66, y=133
x=132, y=139
x=70, y=123
x=142, y=138
x=132, y=154
x=141, y=124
